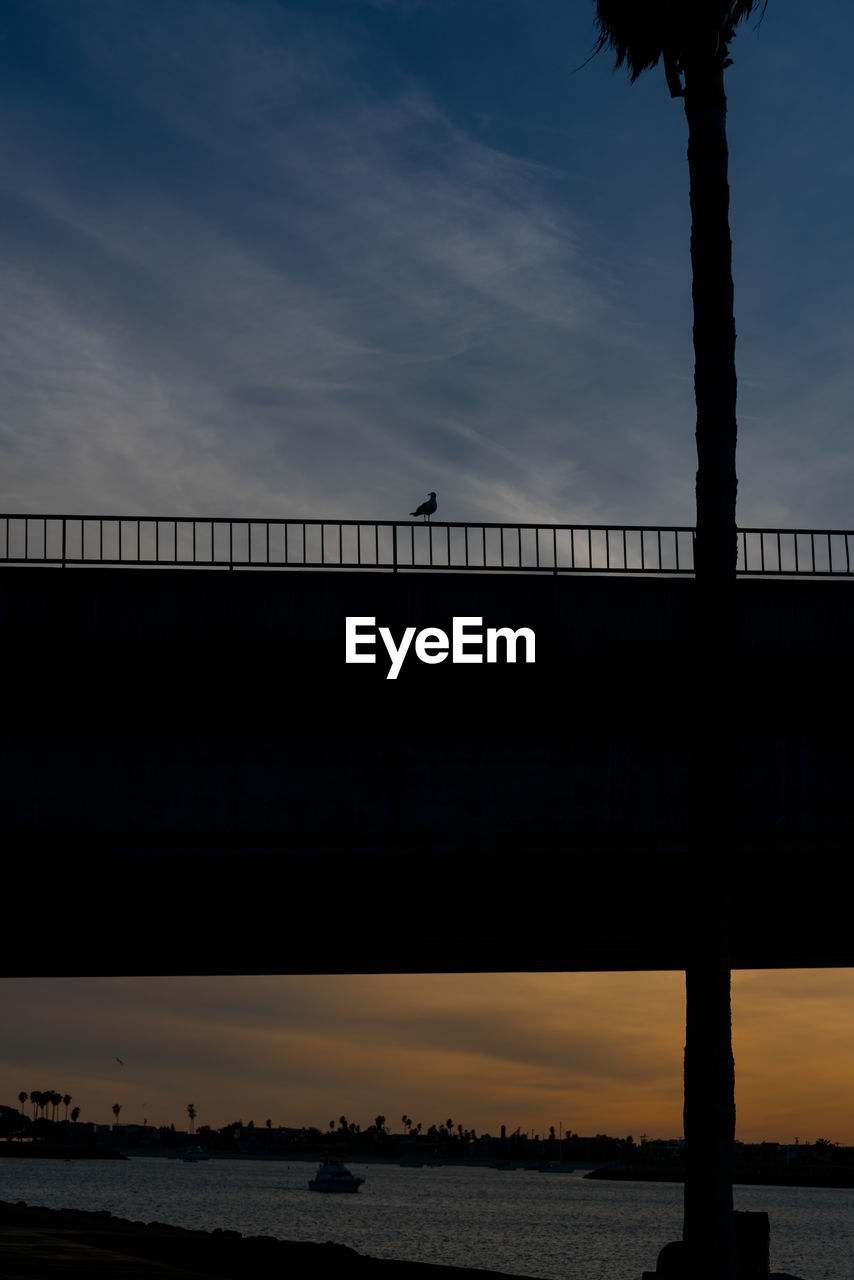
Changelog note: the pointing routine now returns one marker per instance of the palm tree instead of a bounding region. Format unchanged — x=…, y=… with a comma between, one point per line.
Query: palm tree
x=75, y=1114
x=692, y=39
x=66, y=1098
x=191, y=1112
x=117, y=1106
x=22, y=1098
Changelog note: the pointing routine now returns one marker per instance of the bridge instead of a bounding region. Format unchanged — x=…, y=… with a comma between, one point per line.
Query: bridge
x=182, y=725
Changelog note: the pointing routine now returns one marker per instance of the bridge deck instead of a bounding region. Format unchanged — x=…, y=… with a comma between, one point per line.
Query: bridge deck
x=197, y=740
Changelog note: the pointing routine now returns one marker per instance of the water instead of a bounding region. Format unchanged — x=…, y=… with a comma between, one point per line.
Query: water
x=552, y=1226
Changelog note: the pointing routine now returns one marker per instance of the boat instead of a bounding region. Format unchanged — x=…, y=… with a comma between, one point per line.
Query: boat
x=334, y=1176
x=193, y=1154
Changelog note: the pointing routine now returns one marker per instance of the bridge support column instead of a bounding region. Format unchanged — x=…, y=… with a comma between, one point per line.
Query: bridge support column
x=709, y=1105
x=709, y=1098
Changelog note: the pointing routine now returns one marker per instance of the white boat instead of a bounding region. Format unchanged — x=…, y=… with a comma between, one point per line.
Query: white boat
x=334, y=1176
x=194, y=1154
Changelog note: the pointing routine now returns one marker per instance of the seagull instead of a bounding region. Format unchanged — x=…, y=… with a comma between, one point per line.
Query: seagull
x=427, y=508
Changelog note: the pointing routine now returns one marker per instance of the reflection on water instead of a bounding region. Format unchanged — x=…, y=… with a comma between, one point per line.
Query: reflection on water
x=554, y=1226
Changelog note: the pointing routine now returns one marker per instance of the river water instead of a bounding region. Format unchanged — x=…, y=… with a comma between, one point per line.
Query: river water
x=555, y=1226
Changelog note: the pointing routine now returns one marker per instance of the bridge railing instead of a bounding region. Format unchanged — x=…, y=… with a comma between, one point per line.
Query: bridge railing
x=223, y=543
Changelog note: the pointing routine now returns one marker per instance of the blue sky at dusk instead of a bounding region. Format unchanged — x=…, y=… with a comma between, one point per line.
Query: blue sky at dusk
x=282, y=258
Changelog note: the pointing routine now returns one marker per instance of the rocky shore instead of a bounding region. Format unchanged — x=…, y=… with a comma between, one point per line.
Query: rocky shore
x=49, y=1244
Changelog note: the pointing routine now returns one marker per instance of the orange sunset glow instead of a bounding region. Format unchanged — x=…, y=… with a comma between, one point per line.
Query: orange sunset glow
x=591, y=1052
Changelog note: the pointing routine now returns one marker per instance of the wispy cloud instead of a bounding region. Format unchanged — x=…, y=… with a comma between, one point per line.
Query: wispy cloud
x=267, y=286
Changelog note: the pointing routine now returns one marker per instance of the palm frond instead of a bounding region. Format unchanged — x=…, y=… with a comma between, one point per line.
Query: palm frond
x=640, y=34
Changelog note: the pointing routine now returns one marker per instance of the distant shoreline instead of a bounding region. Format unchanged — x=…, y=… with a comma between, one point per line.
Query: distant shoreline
x=58, y=1151
x=841, y=1178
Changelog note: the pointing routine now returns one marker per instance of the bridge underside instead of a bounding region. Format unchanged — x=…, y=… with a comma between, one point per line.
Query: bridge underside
x=278, y=913
x=187, y=750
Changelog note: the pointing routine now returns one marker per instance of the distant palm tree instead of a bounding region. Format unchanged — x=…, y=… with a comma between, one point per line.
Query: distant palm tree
x=117, y=1106
x=22, y=1098
x=66, y=1098
x=191, y=1112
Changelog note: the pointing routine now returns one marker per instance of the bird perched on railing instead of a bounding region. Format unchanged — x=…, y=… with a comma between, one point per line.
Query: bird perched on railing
x=427, y=508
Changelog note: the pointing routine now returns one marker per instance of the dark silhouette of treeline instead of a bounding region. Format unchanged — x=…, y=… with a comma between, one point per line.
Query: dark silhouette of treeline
x=445, y=1140
x=45, y=1122
x=47, y=1131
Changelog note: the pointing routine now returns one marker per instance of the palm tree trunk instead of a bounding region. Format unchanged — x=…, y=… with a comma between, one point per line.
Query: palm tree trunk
x=709, y=1107
x=714, y=322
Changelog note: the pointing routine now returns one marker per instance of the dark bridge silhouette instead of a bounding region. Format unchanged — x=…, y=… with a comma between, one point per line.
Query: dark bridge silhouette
x=196, y=737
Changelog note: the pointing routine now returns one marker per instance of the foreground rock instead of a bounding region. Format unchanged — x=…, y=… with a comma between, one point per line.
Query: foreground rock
x=40, y=1244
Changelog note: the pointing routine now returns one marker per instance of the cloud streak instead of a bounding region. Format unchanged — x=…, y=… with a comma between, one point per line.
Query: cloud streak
x=276, y=290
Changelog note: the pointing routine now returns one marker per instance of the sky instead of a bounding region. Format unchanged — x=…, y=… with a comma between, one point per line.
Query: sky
x=320, y=257
x=315, y=258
